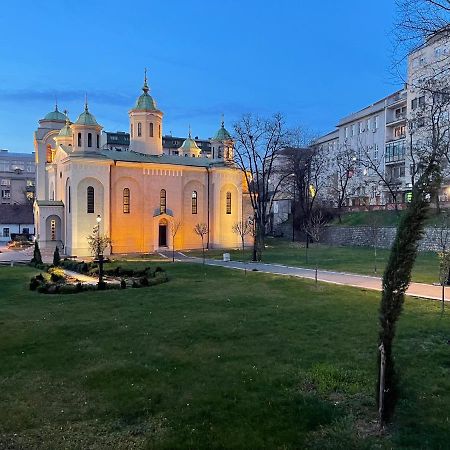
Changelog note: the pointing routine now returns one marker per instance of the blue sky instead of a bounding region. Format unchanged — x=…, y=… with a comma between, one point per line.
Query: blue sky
x=312, y=61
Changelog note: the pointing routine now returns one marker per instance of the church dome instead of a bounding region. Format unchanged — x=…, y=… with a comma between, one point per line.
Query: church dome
x=145, y=102
x=222, y=134
x=189, y=145
x=66, y=131
x=56, y=116
x=86, y=118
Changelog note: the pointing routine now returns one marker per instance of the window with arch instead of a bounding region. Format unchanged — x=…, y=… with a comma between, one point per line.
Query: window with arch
x=69, y=200
x=159, y=130
x=90, y=200
x=89, y=139
x=53, y=230
x=98, y=141
x=150, y=129
x=126, y=201
x=49, y=153
x=162, y=201
x=79, y=140
x=228, y=204
x=194, y=202
x=139, y=131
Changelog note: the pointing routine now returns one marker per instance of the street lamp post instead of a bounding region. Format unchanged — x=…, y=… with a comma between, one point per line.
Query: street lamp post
x=99, y=253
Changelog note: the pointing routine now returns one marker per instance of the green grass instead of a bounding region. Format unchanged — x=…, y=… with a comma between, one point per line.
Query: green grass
x=344, y=259
x=382, y=218
x=213, y=359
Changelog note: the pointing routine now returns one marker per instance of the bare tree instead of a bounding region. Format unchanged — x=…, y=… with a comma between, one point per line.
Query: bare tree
x=340, y=172
x=174, y=228
x=243, y=228
x=258, y=142
x=374, y=228
x=314, y=228
x=201, y=230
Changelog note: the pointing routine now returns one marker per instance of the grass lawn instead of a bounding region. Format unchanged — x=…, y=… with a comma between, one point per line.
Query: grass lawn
x=213, y=359
x=344, y=259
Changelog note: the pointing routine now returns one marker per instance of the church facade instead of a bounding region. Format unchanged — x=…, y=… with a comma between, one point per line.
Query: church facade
x=137, y=196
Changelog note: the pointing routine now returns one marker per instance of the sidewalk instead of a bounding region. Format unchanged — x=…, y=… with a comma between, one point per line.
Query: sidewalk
x=421, y=290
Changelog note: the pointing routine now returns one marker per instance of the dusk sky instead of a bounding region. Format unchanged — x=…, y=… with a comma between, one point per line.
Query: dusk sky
x=312, y=61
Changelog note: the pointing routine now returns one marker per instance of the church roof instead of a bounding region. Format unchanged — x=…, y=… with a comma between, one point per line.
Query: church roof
x=189, y=145
x=135, y=157
x=145, y=102
x=86, y=118
x=66, y=131
x=56, y=116
x=222, y=134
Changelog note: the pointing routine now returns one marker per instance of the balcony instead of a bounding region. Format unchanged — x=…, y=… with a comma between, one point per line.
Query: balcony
x=396, y=119
x=397, y=98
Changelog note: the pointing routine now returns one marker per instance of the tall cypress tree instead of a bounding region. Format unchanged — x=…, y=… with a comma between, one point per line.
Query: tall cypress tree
x=37, y=258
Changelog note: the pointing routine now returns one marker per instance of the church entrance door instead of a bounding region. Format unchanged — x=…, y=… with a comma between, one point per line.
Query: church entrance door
x=163, y=235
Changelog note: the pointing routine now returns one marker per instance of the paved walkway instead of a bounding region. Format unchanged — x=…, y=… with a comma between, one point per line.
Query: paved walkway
x=422, y=290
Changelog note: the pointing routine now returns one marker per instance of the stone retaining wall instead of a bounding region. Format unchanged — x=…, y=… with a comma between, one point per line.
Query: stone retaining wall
x=362, y=236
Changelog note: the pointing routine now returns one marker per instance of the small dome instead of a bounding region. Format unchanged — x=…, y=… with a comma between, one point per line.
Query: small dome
x=145, y=102
x=190, y=145
x=66, y=131
x=86, y=118
x=222, y=134
x=55, y=116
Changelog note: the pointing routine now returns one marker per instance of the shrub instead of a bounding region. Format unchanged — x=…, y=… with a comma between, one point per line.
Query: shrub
x=144, y=281
x=40, y=277
x=79, y=287
x=37, y=258
x=123, y=284
x=34, y=284
x=101, y=286
x=56, y=257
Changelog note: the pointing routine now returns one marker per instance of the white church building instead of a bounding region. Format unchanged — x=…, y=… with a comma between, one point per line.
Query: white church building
x=138, y=194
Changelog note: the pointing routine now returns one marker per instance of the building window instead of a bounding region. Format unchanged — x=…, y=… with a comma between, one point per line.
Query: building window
x=6, y=193
x=151, y=129
x=5, y=232
x=53, y=230
x=98, y=141
x=25, y=230
x=228, y=206
x=353, y=129
x=194, y=202
x=159, y=130
x=360, y=127
x=89, y=139
x=131, y=130
x=376, y=122
x=49, y=154
x=139, y=129
x=79, y=140
x=346, y=132
x=69, y=201
x=126, y=201
x=90, y=200
x=7, y=182
x=162, y=201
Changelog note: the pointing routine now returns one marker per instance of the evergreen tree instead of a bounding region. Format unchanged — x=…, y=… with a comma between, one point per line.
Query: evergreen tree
x=37, y=258
x=56, y=257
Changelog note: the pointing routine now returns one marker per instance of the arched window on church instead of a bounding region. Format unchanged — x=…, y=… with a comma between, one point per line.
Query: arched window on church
x=89, y=139
x=139, y=129
x=69, y=198
x=98, y=141
x=162, y=201
x=151, y=129
x=159, y=130
x=79, y=140
x=194, y=202
x=228, y=205
x=126, y=201
x=90, y=200
x=48, y=156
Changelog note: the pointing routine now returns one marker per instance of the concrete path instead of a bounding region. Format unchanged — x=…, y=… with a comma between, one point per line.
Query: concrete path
x=422, y=290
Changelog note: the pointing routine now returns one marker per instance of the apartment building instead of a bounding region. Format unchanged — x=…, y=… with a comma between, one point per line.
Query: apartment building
x=17, y=178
